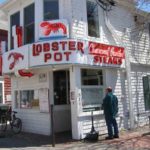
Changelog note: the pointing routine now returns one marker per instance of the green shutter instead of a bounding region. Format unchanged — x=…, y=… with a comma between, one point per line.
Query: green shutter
x=146, y=88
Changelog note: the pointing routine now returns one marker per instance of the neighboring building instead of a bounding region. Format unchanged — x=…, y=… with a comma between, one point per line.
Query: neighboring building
x=5, y=82
x=66, y=52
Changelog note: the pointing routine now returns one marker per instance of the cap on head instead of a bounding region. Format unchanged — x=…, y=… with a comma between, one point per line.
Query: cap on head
x=109, y=89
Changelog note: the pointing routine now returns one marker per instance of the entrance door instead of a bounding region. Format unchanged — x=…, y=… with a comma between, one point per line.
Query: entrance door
x=62, y=111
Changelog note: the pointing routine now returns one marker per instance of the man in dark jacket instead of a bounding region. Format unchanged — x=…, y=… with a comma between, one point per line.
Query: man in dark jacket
x=110, y=106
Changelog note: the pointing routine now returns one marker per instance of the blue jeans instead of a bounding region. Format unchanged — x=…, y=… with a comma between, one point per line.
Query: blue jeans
x=112, y=124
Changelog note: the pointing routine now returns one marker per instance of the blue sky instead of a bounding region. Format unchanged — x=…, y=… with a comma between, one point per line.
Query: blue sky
x=1, y=1
x=145, y=7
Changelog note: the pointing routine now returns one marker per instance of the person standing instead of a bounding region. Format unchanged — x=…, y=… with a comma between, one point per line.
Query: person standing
x=110, y=106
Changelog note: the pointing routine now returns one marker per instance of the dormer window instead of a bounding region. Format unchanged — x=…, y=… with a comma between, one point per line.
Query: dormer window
x=29, y=24
x=51, y=9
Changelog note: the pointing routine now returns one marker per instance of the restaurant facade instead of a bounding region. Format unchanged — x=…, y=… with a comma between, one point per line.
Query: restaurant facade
x=65, y=53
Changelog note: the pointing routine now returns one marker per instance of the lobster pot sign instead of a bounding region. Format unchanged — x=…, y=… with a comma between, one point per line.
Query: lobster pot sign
x=16, y=59
x=53, y=29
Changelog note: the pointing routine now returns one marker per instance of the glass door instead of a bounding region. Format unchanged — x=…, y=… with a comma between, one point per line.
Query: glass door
x=61, y=87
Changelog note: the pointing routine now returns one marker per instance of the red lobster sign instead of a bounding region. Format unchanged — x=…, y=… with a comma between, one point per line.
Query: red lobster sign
x=16, y=58
x=53, y=29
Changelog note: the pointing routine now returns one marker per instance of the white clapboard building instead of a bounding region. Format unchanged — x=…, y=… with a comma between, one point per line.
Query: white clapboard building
x=66, y=52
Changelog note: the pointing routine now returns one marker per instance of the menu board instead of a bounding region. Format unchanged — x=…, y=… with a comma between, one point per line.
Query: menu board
x=44, y=100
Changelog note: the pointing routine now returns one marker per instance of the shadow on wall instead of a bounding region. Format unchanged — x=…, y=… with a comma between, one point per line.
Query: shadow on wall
x=125, y=115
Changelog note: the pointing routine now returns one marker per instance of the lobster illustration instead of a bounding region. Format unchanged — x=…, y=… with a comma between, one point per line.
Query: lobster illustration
x=49, y=27
x=16, y=57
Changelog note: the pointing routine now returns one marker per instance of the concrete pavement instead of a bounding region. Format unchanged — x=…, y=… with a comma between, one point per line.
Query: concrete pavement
x=129, y=140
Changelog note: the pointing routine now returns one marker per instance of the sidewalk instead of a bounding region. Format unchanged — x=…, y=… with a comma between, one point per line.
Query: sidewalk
x=129, y=140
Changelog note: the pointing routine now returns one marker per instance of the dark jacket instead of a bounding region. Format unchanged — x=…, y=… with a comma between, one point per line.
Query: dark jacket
x=110, y=105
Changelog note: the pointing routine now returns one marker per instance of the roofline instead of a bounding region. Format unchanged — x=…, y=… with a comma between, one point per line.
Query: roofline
x=6, y=4
x=126, y=3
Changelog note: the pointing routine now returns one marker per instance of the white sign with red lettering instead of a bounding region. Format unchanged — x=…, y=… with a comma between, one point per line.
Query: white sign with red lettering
x=16, y=59
x=57, y=52
x=76, y=52
x=63, y=52
x=53, y=29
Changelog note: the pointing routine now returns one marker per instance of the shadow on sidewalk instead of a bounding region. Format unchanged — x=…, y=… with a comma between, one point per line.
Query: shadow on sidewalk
x=145, y=134
x=10, y=140
x=141, y=142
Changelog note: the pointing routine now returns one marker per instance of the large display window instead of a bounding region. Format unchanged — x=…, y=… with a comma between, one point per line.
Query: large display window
x=92, y=88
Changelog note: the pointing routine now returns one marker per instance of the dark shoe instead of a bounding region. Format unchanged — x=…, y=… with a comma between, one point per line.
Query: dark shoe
x=116, y=136
x=109, y=138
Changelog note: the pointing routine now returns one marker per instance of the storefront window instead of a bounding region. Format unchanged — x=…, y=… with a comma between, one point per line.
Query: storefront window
x=27, y=99
x=51, y=10
x=91, y=77
x=29, y=24
x=92, y=88
x=14, y=20
x=92, y=18
x=146, y=88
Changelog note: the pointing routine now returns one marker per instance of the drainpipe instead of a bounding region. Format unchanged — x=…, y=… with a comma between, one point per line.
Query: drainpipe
x=128, y=69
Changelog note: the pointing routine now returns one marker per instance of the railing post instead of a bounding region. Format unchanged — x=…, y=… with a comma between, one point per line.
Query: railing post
x=52, y=125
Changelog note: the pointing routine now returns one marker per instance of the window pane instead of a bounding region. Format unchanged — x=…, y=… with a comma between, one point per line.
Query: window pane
x=93, y=19
x=14, y=20
x=29, y=33
x=51, y=10
x=91, y=77
x=92, y=97
x=29, y=24
x=27, y=99
x=29, y=14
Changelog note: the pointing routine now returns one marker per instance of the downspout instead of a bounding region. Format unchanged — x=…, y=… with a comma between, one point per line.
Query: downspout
x=128, y=68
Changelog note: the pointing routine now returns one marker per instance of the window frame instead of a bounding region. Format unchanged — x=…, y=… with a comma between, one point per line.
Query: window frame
x=28, y=25
x=91, y=36
x=44, y=12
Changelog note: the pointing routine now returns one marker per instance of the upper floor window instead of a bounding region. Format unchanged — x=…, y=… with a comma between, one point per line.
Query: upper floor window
x=29, y=24
x=51, y=9
x=92, y=18
x=14, y=20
